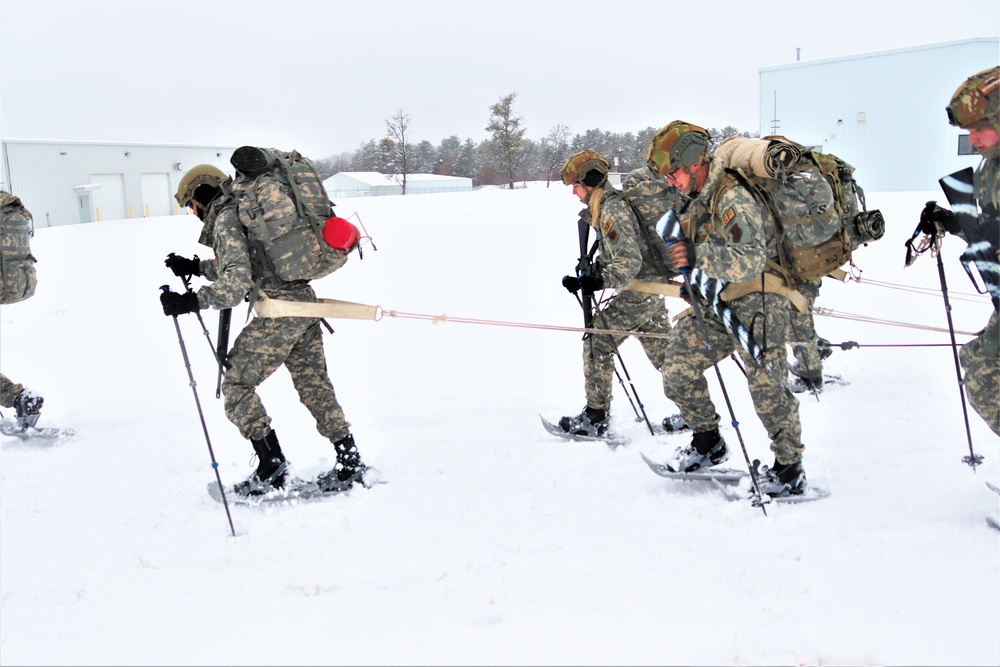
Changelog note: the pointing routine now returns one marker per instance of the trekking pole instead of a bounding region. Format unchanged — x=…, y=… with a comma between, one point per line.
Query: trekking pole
x=204, y=329
x=699, y=317
x=638, y=417
x=973, y=459
x=590, y=341
x=201, y=415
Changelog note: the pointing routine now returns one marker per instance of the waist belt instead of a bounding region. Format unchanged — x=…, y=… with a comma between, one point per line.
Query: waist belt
x=645, y=287
x=771, y=283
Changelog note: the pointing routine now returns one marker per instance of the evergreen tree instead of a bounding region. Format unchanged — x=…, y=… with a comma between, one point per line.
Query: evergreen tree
x=508, y=136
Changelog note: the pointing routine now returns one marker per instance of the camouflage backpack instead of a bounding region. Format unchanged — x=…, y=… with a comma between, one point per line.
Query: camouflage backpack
x=814, y=200
x=650, y=197
x=17, y=264
x=281, y=201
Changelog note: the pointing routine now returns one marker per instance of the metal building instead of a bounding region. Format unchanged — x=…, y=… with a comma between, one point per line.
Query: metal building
x=883, y=112
x=375, y=184
x=67, y=182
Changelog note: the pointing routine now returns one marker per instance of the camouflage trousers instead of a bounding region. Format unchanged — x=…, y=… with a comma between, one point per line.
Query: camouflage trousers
x=628, y=311
x=687, y=360
x=263, y=346
x=802, y=335
x=981, y=360
x=9, y=391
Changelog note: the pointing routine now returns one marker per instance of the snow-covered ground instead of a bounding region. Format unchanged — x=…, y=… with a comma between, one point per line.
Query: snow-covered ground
x=492, y=543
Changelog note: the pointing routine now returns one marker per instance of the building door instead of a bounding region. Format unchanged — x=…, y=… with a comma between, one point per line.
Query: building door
x=109, y=199
x=85, y=207
x=156, y=199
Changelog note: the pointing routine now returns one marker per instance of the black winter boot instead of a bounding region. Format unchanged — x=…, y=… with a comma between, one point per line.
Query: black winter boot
x=707, y=449
x=28, y=406
x=271, y=468
x=592, y=422
x=349, y=468
x=783, y=479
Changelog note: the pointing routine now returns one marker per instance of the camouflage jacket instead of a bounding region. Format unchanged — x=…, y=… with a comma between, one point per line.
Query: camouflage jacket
x=987, y=184
x=733, y=233
x=239, y=262
x=619, y=257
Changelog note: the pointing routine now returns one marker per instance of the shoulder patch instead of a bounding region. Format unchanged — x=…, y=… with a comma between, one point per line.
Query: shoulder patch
x=608, y=224
x=736, y=232
x=728, y=215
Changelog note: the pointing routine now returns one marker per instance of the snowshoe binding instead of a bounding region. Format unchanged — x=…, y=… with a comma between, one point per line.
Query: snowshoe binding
x=707, y=449
x=782, y=480
x=591, y=422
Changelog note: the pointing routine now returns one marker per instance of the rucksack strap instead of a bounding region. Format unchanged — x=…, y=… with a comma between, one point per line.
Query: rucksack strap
x=766, y=282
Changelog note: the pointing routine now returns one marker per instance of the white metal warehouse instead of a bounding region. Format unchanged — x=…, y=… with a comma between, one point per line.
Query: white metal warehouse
x=375, y=184
x=883, y=112
x=66, y=182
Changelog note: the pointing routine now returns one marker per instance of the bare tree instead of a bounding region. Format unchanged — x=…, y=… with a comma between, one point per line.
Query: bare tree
x=508, y=136
x=398, y=128
x=554, y=150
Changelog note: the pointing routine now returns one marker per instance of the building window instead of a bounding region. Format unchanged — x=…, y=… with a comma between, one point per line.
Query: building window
x=964, y=147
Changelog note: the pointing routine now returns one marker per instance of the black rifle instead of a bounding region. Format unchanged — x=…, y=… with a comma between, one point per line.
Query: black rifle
x=222, y=347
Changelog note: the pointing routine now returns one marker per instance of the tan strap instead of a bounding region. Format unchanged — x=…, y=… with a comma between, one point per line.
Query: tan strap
x=838, y=274
x=344, y=310
x=646, y=287
x=773, y=284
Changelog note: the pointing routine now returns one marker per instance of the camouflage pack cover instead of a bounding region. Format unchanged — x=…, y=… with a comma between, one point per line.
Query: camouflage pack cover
x=17, y=264
x=814, y=199
x=977, y=99
x=650, y=198
x=284, y=209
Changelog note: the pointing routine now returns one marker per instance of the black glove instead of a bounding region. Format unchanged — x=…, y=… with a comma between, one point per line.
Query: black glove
x=591, y=284
x=933, y=217
x=178, y=304
x=680, y=253
x=182, y=266
x=571, y=283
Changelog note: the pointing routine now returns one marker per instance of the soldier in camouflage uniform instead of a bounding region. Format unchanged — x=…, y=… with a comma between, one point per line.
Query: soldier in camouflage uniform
x=618, y=265
x=975, y=106
x=264, y=344
x=730, y=236
x=17, y=283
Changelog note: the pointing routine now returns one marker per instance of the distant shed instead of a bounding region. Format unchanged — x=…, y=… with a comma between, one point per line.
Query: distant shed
x=374, y=184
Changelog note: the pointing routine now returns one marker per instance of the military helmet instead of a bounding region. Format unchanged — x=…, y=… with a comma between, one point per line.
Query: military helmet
x=202, y=174
x=586, y=167
x=977, y=99
x=678, y=144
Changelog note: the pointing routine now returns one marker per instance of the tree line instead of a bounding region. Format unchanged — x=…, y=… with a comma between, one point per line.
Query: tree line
x=506, y=156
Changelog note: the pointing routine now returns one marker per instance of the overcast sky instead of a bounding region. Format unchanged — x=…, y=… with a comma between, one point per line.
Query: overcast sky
x=323, y=76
